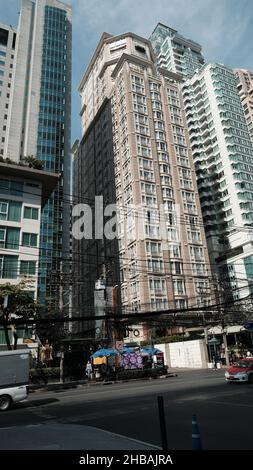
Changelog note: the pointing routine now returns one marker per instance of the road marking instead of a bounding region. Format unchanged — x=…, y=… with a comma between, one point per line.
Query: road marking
x=231, y=404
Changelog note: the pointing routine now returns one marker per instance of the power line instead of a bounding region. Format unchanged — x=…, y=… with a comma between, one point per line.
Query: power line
x=136, y=316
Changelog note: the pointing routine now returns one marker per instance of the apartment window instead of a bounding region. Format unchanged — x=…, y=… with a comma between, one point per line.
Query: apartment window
x=179, y=288
x=8, y=267
x=155, y=265
x=153, y=248
x=175, y=251
x=31, y=213
x=3, y=210
x=2, y=237
x=198, y=268
x=10, y=210
x=9, y=237
x=177, y=267
x=159, y=303
x=134, y=288
x=172, y=234
x=29, y=239
x=196, y=252
x=28, y=268
x=181, y=303
x=157, y=285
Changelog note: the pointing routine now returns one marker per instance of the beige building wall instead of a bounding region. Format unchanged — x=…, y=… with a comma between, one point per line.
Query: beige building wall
x=163, y=253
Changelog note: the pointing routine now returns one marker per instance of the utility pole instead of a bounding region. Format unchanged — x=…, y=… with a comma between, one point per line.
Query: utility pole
x=220, y=299
x=61, y=303
x=224, y=339
x=62, y=365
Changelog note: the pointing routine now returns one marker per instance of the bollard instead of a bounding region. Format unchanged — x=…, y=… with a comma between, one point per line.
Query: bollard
x=162, y=422
x=196, y=440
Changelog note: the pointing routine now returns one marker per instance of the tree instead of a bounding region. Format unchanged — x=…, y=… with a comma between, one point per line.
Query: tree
x=33, y=162
x=20, y=305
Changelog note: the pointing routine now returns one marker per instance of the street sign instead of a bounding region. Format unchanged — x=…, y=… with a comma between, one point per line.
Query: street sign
x=248, y=326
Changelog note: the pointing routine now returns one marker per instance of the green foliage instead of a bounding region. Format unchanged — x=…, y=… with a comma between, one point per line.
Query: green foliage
x=138, y=373
x=22, y=304
x=44, y=373
x=33, y=162
x=30, y=161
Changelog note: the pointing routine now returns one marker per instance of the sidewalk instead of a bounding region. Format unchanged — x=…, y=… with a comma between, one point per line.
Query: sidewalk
x=58, y=436
x=82, y=383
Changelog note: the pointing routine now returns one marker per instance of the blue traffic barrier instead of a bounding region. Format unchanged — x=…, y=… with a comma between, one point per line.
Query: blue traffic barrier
x=196, y=440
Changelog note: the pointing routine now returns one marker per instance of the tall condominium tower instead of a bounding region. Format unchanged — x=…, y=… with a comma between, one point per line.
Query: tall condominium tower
x=245, y=88
x=135, y=151
x=222, y=153
x=7, y=51
x=38, y=121
x=175, y=52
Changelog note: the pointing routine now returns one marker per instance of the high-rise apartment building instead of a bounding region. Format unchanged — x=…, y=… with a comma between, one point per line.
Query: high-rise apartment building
x=135, y=151
x=175, y=52
x=7, y=51
x=223, y=157
x=245, y=88
x=38, y=117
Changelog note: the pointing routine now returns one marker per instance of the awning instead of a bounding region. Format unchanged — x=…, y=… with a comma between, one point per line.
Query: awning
x=217, y=330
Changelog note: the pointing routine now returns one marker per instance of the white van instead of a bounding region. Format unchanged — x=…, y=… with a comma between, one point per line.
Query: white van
x=14, y=377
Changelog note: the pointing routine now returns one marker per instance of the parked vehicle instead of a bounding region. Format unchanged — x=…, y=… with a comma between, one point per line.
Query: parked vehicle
x=240, y=371
x=14, y=377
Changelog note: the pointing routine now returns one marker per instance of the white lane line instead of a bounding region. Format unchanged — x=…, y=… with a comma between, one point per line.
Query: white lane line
x=153, y=446
x=231, y=404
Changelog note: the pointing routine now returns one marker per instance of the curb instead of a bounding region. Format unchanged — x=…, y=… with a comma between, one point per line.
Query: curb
x=80, y=383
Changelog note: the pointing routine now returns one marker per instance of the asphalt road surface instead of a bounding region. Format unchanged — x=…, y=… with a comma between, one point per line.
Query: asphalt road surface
x=224, y=411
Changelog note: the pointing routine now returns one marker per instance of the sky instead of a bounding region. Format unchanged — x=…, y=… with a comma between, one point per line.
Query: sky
x=223, y=28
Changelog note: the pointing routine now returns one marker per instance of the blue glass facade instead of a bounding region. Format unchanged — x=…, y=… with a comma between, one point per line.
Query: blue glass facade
x=51, y=142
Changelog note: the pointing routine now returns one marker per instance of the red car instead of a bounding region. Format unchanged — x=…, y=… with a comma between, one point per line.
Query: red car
x=241, y=371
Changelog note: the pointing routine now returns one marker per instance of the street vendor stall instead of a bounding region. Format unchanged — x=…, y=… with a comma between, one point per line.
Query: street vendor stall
x=152, y=357
x=131, y=359
x=105, y=361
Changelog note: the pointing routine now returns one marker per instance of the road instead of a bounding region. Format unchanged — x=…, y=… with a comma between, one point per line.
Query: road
x=224, y=411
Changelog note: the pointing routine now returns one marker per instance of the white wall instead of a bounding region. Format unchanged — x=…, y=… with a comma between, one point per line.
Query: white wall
x=192, y=354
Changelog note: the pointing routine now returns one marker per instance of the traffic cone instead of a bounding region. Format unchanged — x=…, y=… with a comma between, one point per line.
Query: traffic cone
x=196, y=440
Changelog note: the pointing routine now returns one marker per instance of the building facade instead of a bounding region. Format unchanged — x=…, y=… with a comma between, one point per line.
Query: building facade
x=23, y=194
x=162, y=254
x=245, y=88
x=39, y=124
x=222, y=153
x=7, y=53
x=175, y=52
